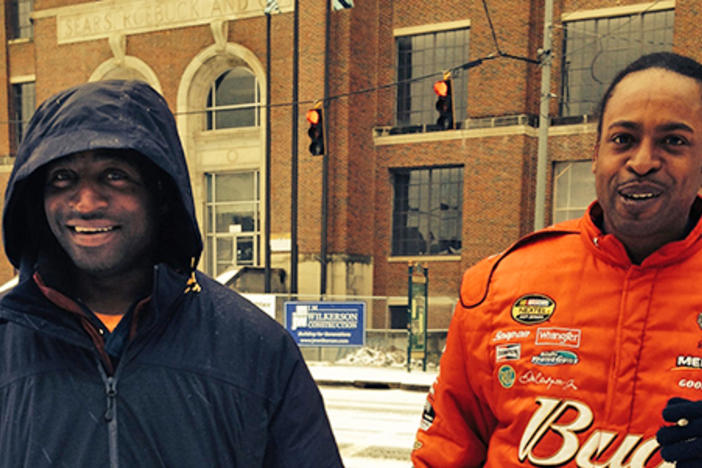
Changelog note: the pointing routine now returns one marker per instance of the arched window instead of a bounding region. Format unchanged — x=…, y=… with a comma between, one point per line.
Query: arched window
x=233, y=100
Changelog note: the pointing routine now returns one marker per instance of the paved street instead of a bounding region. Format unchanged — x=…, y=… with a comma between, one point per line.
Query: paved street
x=374, y=428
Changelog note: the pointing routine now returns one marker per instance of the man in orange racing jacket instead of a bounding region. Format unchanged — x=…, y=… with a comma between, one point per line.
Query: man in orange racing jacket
x=581, y=343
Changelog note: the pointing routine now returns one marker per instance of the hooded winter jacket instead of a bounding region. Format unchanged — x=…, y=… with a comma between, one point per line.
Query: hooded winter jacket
x=203, y=379
x=561, y=352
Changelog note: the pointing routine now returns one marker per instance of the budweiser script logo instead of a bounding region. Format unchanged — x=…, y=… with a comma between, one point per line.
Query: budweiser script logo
x=632, y=452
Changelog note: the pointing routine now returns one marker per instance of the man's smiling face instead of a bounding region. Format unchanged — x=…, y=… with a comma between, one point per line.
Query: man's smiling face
x=99, y=209
x=648, y=160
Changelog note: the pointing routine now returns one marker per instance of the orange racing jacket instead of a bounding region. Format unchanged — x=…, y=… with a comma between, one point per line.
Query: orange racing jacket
x=561, y=352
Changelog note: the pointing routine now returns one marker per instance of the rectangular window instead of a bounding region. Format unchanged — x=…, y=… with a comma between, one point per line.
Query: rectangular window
x=427, y=54
x=23, y=100
x=427, y=211
x=233, y=226
x=573, y=189
x=595, y=50
x=19, y=24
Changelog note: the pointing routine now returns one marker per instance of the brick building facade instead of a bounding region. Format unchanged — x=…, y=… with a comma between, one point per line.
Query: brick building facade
x=399, y=189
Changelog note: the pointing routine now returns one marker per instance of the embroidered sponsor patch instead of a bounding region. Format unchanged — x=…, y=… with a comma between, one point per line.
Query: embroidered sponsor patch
x=691, y=384
x=688, y=362
x=570, y=419
x=506, y=376
x=508, y=352
x=569, y=337
x=511, y=335
x=558, y=357
x=427, y=416
x=533, y=308
x=539, y=378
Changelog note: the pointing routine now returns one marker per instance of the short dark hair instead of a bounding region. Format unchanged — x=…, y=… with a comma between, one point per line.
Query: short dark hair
x=666, y=60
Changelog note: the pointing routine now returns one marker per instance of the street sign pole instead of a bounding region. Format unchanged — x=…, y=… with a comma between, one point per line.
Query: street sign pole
x=418, y=305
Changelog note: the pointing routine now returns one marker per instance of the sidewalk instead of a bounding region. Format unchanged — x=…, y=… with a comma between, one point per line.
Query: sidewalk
x=325, y=373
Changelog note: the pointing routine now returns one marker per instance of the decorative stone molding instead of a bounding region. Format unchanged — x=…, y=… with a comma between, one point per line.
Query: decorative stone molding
x=220, y=31
x=118, y=44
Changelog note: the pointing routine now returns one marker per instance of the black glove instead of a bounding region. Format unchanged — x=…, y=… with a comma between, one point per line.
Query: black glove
x=682, y=442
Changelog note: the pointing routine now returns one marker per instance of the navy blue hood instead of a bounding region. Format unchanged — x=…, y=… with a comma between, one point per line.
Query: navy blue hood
x=124, y=115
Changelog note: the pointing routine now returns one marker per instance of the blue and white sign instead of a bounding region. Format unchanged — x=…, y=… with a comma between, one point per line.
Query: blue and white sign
x=326, y=323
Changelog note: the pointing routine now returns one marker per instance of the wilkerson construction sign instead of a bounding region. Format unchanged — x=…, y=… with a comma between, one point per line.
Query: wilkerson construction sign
x=326, y=323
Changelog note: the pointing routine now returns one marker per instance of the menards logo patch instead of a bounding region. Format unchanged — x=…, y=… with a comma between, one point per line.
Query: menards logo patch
x=688, y=362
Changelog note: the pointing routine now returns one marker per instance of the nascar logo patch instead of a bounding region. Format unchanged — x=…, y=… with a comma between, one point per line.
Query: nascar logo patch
x=533, y=308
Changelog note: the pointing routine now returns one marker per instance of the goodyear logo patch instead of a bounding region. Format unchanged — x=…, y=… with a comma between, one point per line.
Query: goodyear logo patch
x=533, y=308
x=506, y=376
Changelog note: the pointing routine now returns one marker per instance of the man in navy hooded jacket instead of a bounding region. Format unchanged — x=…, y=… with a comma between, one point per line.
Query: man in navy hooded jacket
x=114, y=350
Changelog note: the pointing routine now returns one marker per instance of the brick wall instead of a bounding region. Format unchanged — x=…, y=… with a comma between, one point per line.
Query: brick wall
x=499, y=170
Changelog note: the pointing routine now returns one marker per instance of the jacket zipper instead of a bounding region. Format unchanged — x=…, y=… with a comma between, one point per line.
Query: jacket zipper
x=110, y=415
x=110, y=382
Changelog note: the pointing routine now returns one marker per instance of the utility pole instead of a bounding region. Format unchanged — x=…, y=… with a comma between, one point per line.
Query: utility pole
x=271, y=7
x=325, y=161
x=294, y=165
x=544, y=119
x=267, y=166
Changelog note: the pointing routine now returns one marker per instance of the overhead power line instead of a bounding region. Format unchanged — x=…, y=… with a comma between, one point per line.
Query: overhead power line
x=455, y=69
x=465, y=66
x=497, y=44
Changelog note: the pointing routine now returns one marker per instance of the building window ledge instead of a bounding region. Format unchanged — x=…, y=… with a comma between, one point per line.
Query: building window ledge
x=19, y=40
x=424, y=258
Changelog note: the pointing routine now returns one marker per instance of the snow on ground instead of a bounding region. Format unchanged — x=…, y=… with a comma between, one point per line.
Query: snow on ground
x=390, y=357
x=370, y=365
x=374, y=428
x=366, y=356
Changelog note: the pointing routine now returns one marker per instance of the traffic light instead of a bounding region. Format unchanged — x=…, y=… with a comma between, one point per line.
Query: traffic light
x=444, y=103
x=316, y=131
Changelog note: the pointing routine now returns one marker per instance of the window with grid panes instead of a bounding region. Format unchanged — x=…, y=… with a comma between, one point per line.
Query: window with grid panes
x=233, y=227
x=573, y=189
x=19, y=23
x=429, y=54
x=427, y=211
x=595, y=50
x=22, y=108
x=233, y=100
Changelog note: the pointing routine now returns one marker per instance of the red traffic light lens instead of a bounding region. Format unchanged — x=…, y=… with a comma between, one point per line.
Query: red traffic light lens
x=313, y=116
x=441, y=88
